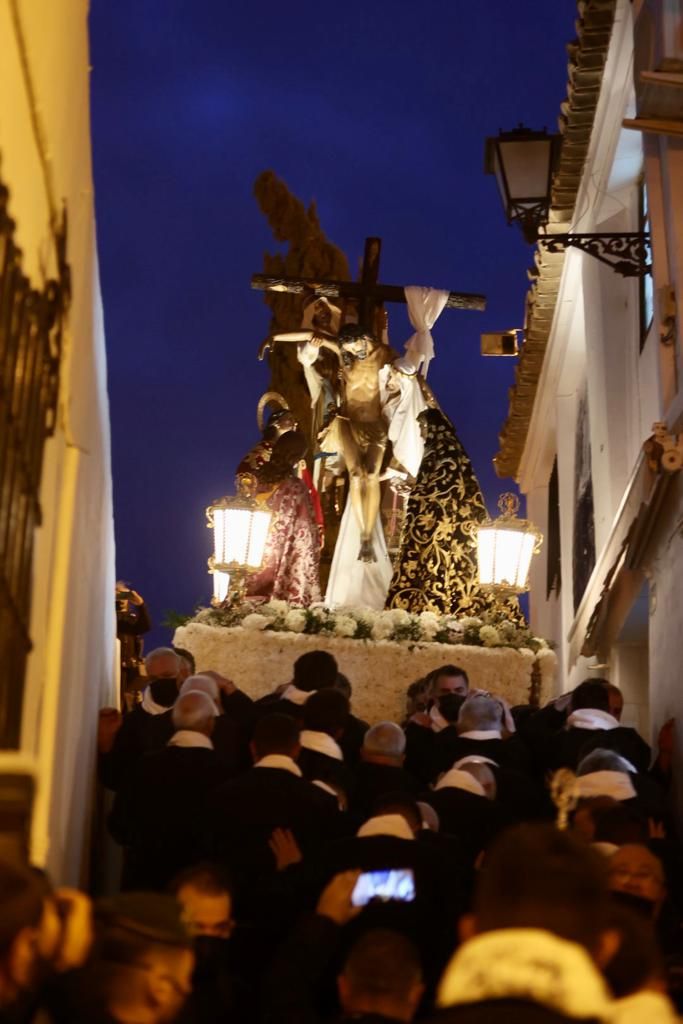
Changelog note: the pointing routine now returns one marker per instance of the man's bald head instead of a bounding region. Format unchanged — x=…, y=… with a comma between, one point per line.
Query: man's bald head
x=384, y=743
x=194, y=711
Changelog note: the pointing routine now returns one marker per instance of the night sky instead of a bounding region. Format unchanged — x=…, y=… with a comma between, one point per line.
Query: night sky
x=378, y=110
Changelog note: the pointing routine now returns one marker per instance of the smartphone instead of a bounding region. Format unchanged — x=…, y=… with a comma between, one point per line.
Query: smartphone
x=394, y=884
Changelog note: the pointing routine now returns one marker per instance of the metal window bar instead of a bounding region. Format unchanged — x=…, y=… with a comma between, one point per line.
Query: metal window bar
x=30, y=348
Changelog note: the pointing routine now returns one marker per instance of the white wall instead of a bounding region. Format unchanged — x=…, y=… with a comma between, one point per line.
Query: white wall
x=666, y=629
x=596, y=337
x=45, y=149
x=664, y=168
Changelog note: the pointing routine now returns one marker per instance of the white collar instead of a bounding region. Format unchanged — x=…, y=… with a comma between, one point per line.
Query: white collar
x=326, y=788
x=150, y=705
x=438, y=722
x=190, y=738
x=526, y=963
x=653, y=1007
x=457, y=779
x=618, y=785
x=295, y=695
x=321, y=743
x=475, y=759
x=281, y=761
x=604, y=848
x=482, y=734
x=591, y=718
x=386, y=825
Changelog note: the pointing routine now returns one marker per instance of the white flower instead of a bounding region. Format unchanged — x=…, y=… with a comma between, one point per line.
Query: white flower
x=542, y=644
x=507, y=629
x=344, y=625
x=275, y=608
x=295, y=620
x=455, y=629
x=368, y=615
x=398, y=617
x=471, y=622
x=255, y=621
x=382, y=628
x=429, y=624
x=355, y=610
x=321, y=615
x=489, y=636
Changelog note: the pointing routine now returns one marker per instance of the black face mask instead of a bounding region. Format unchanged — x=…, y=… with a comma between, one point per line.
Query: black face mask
x=449, y=706
x=164, y=691
x=639, y=904
x=212, y=954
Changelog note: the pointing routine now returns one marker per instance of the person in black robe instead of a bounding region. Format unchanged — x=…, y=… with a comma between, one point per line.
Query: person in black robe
x=161, y=814
x=590, y=725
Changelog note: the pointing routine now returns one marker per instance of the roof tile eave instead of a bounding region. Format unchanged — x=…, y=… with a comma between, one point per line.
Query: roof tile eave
x=587, y=56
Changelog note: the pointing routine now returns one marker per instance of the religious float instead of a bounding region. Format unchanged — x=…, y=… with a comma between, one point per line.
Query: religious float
x=381, y=653
x=359, y=526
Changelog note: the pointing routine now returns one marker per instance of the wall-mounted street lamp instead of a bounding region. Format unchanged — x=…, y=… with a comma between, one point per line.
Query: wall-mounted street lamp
x=524, y=162
x=505, y=547
x=500, y=343
x=240, y=530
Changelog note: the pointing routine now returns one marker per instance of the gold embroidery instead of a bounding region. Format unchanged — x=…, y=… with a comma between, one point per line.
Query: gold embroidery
x=436, y=568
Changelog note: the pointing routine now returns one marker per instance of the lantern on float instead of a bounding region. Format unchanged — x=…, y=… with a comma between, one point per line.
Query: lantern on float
x=221, y=586
x=240, y=529
x=505, y=547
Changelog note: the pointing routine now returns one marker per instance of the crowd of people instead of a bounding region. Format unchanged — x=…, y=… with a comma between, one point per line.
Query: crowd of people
x=286, y=863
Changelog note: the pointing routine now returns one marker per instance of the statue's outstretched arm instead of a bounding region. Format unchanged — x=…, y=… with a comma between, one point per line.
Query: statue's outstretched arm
x=318, y=338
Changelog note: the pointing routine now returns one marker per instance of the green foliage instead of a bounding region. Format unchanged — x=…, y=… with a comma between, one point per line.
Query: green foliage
x=173, y=619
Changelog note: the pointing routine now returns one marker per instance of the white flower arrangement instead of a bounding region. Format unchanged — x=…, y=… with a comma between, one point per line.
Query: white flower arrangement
x=259, y=657
x=395, y=625
x=253, y=621
x=345, y=625
x=489, y=636
x=295, y=620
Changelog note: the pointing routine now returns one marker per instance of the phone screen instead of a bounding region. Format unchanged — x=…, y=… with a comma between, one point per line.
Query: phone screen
x=394, y=884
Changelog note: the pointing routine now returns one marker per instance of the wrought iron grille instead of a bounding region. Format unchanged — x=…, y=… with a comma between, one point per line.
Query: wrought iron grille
x=30, y=349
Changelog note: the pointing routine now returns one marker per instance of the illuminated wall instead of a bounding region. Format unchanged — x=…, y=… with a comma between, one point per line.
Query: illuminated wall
x=45, y=162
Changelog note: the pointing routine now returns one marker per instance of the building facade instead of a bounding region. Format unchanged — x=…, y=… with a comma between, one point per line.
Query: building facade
x=592, y=433
x=57, y=627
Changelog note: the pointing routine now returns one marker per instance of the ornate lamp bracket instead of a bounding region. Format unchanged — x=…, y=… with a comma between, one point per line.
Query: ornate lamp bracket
x=626, y=252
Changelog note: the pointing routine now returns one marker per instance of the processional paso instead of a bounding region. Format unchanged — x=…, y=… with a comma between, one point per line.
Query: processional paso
x=364, y=418
x=358, y=432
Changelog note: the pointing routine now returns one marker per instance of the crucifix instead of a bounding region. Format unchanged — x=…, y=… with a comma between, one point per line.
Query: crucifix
x=358, y=432
x=367, y=292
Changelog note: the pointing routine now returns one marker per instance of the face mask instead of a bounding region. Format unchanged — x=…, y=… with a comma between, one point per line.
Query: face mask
x=211, y=952
x=164, y=691
x=641, y=906
x=449, y=706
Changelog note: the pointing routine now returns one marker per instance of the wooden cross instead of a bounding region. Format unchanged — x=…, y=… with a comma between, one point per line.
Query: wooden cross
x=366, y=292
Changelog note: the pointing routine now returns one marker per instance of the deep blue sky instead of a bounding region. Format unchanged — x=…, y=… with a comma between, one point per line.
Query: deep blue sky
x=378, y=109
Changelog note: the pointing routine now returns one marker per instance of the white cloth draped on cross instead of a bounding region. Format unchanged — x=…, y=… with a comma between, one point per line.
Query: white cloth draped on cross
x=425, y=306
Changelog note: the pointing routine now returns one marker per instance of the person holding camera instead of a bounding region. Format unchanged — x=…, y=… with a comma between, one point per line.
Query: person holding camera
x=132, y=622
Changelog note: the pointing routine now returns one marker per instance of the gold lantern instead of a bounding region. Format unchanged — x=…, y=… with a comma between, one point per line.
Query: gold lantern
x=240, y=530
x=505, y=547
